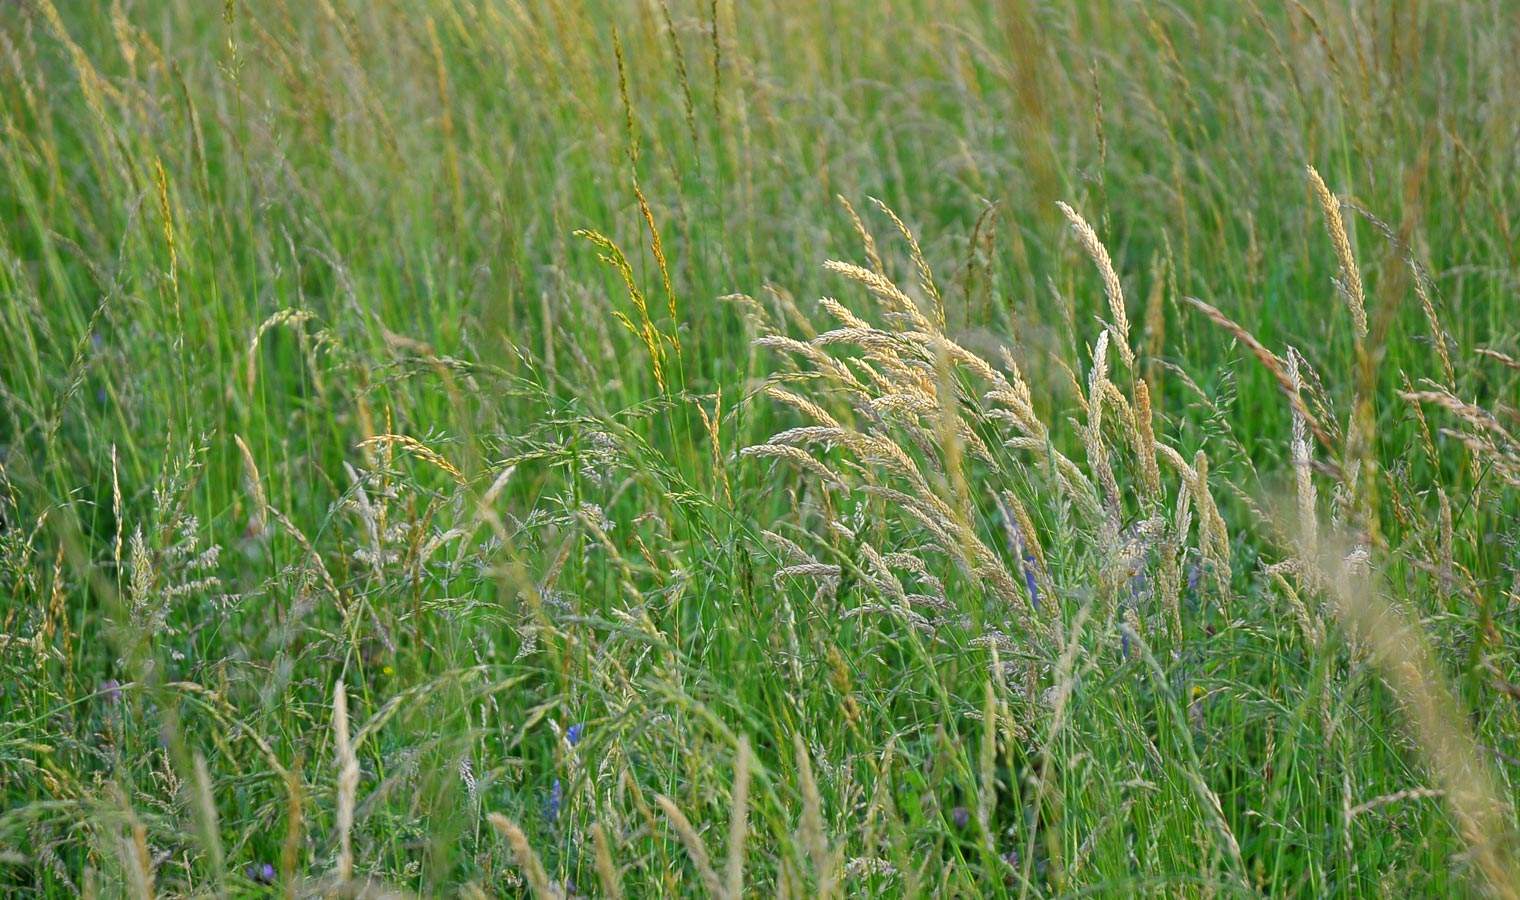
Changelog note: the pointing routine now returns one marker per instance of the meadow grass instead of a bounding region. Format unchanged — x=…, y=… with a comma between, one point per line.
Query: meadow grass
x=689, y=447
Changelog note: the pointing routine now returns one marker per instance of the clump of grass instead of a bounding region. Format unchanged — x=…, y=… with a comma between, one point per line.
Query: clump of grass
x=358, y=536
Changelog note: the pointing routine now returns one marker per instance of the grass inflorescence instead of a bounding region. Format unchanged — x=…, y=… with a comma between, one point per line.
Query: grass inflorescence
x=487, y=448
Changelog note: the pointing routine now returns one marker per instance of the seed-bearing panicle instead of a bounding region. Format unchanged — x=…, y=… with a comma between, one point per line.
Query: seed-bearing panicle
x=810, y=830
x=738, y=823
x=795, y=455
x=1308, y=521
x=839, y=311
x=867, y=241
x=925, y=276
x=822, y=360
x=1485, y=435
x=1500, y=357
x=1351, y=276
x=526, y=856
x=606, y=869
x=1097, y=451
x=1145, y=441
x=283, y=317
x=1213, y=536
x=803, y=405
x=1111, y=286
x=418, y=449
x=348, y=783
x=692, y=841
x=1438, y=335
x=890, y=295
x=1270, y=361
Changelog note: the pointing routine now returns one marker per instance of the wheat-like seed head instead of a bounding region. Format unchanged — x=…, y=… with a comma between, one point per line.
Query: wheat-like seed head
x=1092, y=436
x=1351, y=276
x=883, y=289
x=1111, y=286
x=1145, y=441
x=258, y=518
x=1313, y=629
x=606, y=870
x=527, y=857
x=1438, y=334
x=1482, y=809
x=1213, y=536
x=418, y=449
x=925, y=276
x=1299, y=451
x=692, y=841
x=348, y=783
x=283, y=317
x=1502, y=358
x=866, y=239
x=738, y=821
x=842, y=313
x=803, y=405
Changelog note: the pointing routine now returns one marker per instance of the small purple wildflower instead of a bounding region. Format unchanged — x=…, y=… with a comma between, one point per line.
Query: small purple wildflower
x=556, y=797
x=960, y=816
x=261, y=873
x=1011, y=860
x=1020, y=549
x=111, y=688
x=573, y=733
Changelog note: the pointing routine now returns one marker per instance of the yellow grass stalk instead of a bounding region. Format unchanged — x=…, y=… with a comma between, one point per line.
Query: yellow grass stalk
x=291, y=849
x=117, y=511
x=1273, y=364
x=166, y=218
x=611, y=254
x=205, y=807
x=810, y=830
x=1111, y=285
x=283, y=317
x=986, y=796
x=527, y=858
x=348, y=783
x=1213, y=537
x=418, y=449
x=1482, y=810
x=738, y=823
x=137, y=859
x=1303, y=476
x=712, y=423
x=1155, y=325
x=1145, y=442
x=1437, y=333
x=925, y=276
x=866, y=239
x=258, y=517
x=606, y=870
x=1351, y=276
x=695, y=848
x=682, y=77
x=1503, y=359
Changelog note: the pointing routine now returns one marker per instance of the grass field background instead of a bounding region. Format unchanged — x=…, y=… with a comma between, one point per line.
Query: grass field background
x=479, y=447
